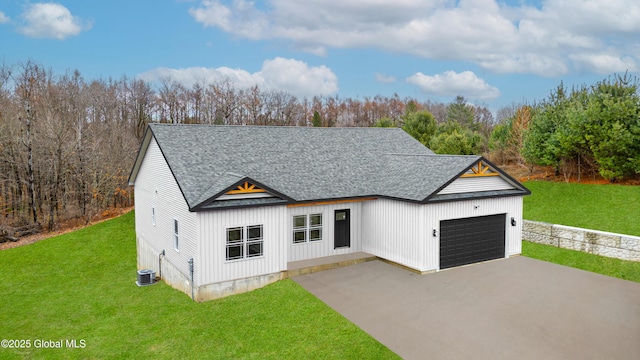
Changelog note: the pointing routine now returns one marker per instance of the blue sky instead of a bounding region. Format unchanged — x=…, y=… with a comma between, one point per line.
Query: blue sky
x=492, y=52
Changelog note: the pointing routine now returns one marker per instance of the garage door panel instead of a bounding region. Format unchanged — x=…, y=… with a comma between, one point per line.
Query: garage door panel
x=470, y=240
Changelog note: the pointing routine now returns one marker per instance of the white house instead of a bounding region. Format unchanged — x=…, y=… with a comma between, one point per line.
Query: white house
x=226, y=209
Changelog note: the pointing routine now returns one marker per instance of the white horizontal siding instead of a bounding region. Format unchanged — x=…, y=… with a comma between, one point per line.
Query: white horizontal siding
x=325, y=247
x=434, y=213
x=156, y=187
x=476, y=183
x=212, y=229
x=393, y=230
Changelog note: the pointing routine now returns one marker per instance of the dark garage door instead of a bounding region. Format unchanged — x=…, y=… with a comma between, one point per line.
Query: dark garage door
x=470, y=240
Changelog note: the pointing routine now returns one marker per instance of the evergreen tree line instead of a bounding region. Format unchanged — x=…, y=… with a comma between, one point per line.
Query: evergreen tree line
x=586, y=131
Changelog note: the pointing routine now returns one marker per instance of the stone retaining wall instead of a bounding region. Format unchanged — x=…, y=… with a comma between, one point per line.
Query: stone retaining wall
x=625, y=247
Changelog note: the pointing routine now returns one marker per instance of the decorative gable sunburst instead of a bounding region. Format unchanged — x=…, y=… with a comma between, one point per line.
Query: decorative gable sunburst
x=246, y=188
x=480, y=169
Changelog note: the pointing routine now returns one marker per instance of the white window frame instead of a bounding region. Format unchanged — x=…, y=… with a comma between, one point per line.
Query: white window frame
x=300, y=230
x=176, y=235
x=153, y=216
x=307, y=229
x=246, y=243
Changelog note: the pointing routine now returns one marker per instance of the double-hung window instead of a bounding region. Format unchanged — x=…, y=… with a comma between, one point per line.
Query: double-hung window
x=244, y=242
x=307, y=228
x=176, y=236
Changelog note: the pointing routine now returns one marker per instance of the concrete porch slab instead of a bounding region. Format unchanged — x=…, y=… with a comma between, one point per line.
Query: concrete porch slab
x=309, y=266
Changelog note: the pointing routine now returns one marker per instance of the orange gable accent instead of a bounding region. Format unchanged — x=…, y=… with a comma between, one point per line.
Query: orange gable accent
x=245, y=188
x=480, y=170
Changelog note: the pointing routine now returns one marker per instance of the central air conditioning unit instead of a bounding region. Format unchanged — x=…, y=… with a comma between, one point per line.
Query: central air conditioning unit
x=146, y=277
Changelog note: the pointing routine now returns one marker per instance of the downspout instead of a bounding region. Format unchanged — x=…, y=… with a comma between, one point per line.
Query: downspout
x=191, y=272
x=160, y=256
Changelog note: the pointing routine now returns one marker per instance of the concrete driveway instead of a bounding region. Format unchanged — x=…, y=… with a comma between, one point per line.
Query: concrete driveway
x=516, y=308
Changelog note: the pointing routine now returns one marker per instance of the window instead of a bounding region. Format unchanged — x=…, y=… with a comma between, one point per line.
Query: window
x=254, y=241
x=235, y=245
x=153, y=216
x=176, y=237
x=299, y=229
x=244, y=242
x=307, y=228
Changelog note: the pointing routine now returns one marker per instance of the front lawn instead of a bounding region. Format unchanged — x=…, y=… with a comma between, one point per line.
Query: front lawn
x=613, y=208
x=81, y=286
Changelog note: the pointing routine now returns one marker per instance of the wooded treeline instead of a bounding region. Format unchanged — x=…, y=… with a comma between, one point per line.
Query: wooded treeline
x=67, y=144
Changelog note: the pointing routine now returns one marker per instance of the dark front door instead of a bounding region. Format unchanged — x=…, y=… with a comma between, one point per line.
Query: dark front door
x=342, y=231
x=471, y=240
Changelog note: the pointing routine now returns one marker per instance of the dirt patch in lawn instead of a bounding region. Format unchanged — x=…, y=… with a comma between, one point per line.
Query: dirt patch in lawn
x=547, y=173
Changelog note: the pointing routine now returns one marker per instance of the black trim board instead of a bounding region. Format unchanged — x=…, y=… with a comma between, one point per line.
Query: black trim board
x=144, y=144
x=169, y=166
x=213, y=198
x=511, y=180
x=476, y=195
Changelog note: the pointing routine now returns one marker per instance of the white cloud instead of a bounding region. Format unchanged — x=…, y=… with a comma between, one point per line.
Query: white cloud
x=516, y=38
x=383, y=78
x=51, y=20
x=190, y=76
x=604, y=63
x=451, y=83
x=290, y=75
x=244, y=20
x=4, y=18
x=297, y=78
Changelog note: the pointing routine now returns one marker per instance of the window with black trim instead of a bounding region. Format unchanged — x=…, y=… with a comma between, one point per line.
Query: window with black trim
x=244, y=242
x=307, y=228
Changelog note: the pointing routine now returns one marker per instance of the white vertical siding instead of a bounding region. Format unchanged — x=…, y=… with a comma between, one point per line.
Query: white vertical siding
x=325, y=247
x=393, y=230
x=156, y=187
x=476, y=183
x=403, y=232
x=434, y=213
x=278, y=247
x=212, y=229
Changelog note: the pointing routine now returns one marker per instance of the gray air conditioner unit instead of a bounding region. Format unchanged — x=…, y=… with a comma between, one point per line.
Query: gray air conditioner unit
x=146, y=277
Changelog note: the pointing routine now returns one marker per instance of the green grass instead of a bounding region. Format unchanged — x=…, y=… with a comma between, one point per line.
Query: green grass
x=613, y=208
x=81, y=286
x=623, y=269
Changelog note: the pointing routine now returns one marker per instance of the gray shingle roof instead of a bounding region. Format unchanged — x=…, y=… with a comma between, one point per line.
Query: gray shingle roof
x=303, y=164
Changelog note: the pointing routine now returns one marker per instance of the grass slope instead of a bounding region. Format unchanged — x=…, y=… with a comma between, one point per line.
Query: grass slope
x=622, y=269
x=81, y=285
x=612, y=208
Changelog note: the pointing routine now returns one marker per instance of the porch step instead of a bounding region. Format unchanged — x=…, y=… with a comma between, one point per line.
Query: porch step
x=309, y=266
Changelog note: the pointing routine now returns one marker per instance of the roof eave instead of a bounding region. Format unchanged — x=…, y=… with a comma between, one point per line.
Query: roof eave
x=144, y=145
x=452, y=179
x=201, y=206
x=477, y=195
x=511, y=180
